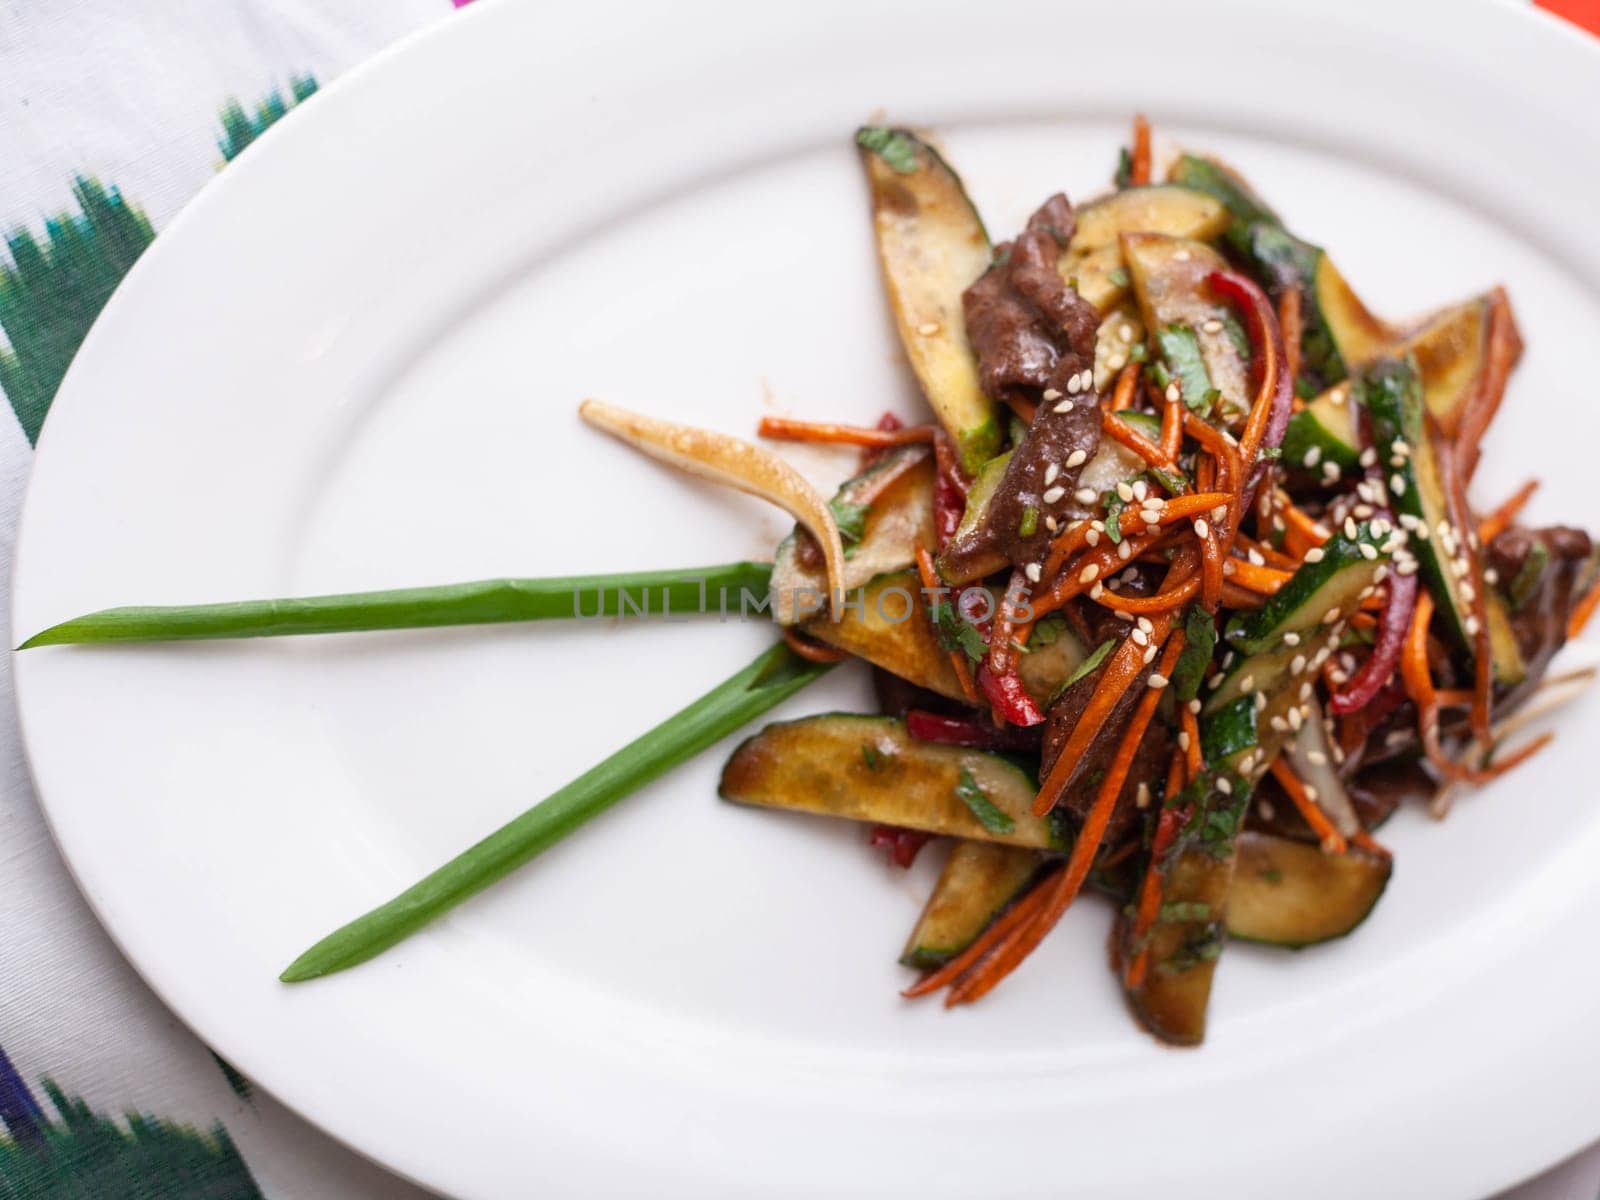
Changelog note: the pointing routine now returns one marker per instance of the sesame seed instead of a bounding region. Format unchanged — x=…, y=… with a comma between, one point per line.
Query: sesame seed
x=1261, y=701
x=928, y=329
x=1247, y=763
x=1212, y=326
x=1074, y=385
x=1144, y=624
x=1369, y=551
x=1295, y=719
x=1065, y=406
x=1247, y=684
x=1361, y=511
x=1085, y=495
x=1329, y=617
x=1173, y=393
x=1092, y=537
x=1075, y=459
x=1183, y=739
x=1096, y=592
x=1194, y=707
x=1054, y=494
x=1141, y=796
x=1279, y=724
x=1397, y=485
x=1215, y=681
x=1228, y=567
x=1254, y=556
x=1182, y=256
x=1157, y=680
x=1125, y=332
x=1369, y=457
x=1421, y=531
x=1330, y=471
x=1313, y=456
x=1140, y=489
x=1315, y=554
x=1150, y=656
x=1124, y=550
x=1305, y=690
x=1471, y=625
x=1050, y=473
x=1297, y=664
x=1491, y=576
x=1124, y=492
x=1088, y=379
x=1321, y=530
x=1382, y=572
x=1291, y=639
x=1224, y=785
x=1140, y=637
x=1089, y=574
x=1311, y=792
x=1399, y=446
x=1116, y=362
x=1316, y=758
x=1033, y=571
x=1264, y=807
x=1350, y=527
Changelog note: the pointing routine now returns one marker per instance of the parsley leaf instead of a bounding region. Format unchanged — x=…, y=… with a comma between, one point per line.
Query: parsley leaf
x=990, y=817
x=894, y=147
x=1200, y=642
x=1114, y=506
x=1118, y=276
x=955, y=632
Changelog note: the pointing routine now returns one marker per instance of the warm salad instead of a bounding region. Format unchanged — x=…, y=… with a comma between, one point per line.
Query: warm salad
x=1176, y=599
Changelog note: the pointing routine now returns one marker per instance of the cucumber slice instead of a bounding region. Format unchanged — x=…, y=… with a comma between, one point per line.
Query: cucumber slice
x=1267, y=694
x=1289, y=893
x=1093, y=259
x=871, y=769
x=897, y=492
x=1324, y=431
x=932, y=246
x=1339, y=330
x=1169, y=278
x=978, y=883
x=1186, y=940
x=1449, y=351
x=884, y=622
x=1391, y=391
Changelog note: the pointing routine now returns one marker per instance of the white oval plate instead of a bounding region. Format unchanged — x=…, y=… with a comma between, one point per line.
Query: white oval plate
x=354, y=363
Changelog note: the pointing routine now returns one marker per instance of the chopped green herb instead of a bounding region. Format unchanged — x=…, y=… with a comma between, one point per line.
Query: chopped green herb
x=990, y=817
x=1272, y=875
x=894, y=147
x=1118, y=276
x=1180, y=350
x=1175, y=482
x=1185, y=910
x=1124, y=172
x=1199, y=643
x=871, y=755
x=1085, y=667
x=1029, y=523
x=1046, y=632
x=1270, y=453
x=955, y=632
x=1114, y=505
x=1137, y=352
x=1160, y=374
x=851, y=519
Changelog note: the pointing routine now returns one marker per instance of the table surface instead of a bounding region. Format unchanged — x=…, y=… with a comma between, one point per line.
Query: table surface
x=111, y=118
